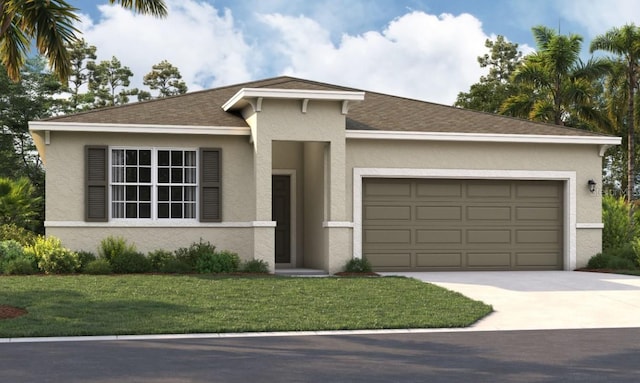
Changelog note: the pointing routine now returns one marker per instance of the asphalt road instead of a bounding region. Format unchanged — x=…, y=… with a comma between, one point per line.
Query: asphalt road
x=596, y=355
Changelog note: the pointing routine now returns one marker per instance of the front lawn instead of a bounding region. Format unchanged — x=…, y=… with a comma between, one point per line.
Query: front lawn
x=155, y=304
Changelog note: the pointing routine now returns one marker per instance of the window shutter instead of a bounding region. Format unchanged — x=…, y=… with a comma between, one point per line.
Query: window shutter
x=210, y=182
x=96, y=183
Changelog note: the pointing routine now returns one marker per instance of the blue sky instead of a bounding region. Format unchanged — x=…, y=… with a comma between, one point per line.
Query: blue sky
x=423, y=49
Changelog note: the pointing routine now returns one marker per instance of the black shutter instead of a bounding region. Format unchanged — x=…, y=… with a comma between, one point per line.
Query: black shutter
x=96, y=183
x=210, y=182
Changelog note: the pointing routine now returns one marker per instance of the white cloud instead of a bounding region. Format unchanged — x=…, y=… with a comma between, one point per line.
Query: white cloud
x=597, y=16
x=204, y=45
x=418, y=55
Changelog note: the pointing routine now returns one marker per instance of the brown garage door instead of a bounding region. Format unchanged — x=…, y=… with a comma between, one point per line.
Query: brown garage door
x=426, y=224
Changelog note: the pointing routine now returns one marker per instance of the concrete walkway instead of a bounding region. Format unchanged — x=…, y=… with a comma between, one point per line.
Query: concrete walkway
x=532, y=300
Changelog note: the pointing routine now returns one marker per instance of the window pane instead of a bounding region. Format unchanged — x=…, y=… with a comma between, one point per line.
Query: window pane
x=145, y=193
x=117, y=174
x=145, y=157
x=145, y=175
x=145, y=210
x=189, y=210
x=132, y=157
x=163, y=175
x=132, y=174
x=163, y=210
x=176, y=210
x=132, y=193
x=163, y=158
x=190, y=175
x=176, y=176
x=190, y=158
x=132, y=210
x=117, y=193
x=117, y=157
x=190, y=193
x=117, y=210
x=176, y=193
x=176, y=158
x=163, y=193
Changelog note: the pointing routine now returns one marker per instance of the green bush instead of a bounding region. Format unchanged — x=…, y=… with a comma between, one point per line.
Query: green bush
x=192, y=254
x=85, y=257
x=598, y=261
x=626, y=251
x=111, y=246
x=19, y=266
x=619, y=263
x=159, y=259
x=21, y=235
x=618, y=230
x=98, y=266
x=176, y=266
x=358, y=265
x=255, y=266
x=129, y=262
x=51, y=257
x=218, y=262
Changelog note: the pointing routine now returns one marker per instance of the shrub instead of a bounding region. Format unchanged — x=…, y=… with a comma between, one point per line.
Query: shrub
x=159, y=259
x=19, y=234
x=218, y=262
x=255, y=266
x=98, y=266
x=52, y=257
x=176, y=266
x=19, y=266
x=112, y=246
x=358, y=265
x=598, y=261
x=129, y=262
x=626, y=251
x=190, y=255
x=84, y=257
x=617, y=225
x=619, y=263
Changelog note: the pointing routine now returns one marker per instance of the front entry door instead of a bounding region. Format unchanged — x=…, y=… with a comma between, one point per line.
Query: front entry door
x=281, y=214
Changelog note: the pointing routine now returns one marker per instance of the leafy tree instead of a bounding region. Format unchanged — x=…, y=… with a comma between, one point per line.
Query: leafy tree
x=556, y=86
x=625, y=43
x=494, y=88
x=82, y=57
x=108, y=82
x=51, y=24
x=18, y=203
x=166, y=79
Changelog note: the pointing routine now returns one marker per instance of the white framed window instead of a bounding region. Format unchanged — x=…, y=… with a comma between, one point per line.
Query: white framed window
x=153, y=183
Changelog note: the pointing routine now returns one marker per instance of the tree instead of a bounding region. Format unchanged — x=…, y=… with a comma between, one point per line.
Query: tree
x=493, y=89
x=165, y=78
x=625, y=43
x=556, y=86
x=51, y=24
x=108, y=82
x=82, y=58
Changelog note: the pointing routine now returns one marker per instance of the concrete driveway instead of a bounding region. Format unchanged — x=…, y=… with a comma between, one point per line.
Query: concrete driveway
x=530, y=300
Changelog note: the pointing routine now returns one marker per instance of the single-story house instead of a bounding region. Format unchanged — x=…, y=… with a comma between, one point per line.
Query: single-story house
x=304, y=174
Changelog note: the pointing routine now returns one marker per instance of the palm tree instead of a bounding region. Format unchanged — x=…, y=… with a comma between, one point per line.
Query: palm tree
x=625, y=43
x=51, y=24
x=556, y=86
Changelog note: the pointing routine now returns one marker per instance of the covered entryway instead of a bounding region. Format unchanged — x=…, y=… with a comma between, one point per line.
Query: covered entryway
x=449, y=224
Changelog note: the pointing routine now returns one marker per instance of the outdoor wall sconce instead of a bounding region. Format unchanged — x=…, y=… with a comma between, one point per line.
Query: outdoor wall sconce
x=592, y=185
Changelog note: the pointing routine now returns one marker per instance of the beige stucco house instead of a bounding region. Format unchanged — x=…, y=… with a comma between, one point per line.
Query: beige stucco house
x=304, y=174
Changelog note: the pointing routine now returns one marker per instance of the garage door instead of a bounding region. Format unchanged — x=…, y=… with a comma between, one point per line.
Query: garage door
x=425, y=224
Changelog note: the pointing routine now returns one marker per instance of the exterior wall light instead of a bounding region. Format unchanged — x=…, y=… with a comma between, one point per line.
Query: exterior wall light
x=592, y=186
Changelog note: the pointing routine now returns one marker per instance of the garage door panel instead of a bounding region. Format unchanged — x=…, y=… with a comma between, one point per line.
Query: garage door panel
x=444, y=213
x=428, y=224
x=439, y=189
x=550, y=259
x=500, y=236
x=388, y=236
x=385, y=213
x=492, y=259
x=390, y=260
x=439, y=259
x=439, y=236
x=489, y=213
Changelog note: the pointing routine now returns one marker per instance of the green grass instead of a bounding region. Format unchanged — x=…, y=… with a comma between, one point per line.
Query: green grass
x=154, y=304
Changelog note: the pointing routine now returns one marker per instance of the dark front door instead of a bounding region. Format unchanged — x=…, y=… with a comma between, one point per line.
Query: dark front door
x=281, y=213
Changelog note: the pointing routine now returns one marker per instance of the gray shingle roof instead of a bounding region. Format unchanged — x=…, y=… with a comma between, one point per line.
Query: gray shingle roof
x=377, y=112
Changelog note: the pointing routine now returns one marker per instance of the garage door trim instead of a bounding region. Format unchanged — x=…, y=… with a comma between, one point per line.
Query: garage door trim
x=569, y=178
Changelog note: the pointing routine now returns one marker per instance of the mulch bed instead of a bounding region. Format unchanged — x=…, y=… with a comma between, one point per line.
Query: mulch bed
x=346, y=274
x=9, y=312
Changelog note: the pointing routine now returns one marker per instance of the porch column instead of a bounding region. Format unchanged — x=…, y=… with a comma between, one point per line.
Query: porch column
x=264, y=227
